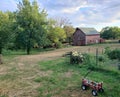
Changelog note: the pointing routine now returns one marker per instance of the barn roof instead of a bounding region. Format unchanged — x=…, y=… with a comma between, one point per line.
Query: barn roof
x=89, y=31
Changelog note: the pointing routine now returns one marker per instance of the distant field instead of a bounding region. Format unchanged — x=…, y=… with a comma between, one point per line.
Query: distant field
x=48, y=74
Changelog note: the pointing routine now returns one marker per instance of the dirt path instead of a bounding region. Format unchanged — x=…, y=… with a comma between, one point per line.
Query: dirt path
x=55, y=54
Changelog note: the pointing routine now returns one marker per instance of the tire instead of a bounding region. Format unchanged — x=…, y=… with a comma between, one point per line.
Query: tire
x=101, y=90
x=84, y=87
x=94, y=92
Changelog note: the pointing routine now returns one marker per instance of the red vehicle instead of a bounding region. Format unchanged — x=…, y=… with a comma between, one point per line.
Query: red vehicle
x=96, y=87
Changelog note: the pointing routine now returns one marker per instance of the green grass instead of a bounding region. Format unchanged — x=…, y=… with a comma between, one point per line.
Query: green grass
x=8, y=77
x=65, y=79
x=3, y=96
x=23, y=52
x=10, y=54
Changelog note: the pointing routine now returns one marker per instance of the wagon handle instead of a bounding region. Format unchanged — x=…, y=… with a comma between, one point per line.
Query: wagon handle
x=87, y=73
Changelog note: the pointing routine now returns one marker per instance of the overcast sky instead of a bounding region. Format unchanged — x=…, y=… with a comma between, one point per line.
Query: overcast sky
x=82, y=13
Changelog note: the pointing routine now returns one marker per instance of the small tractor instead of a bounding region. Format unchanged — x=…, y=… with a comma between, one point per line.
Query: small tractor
x=96, y=87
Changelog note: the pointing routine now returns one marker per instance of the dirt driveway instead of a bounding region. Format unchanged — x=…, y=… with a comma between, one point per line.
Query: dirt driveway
x=57, y=53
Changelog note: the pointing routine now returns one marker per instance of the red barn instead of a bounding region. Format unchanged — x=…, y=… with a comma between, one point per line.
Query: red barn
x=84, y=36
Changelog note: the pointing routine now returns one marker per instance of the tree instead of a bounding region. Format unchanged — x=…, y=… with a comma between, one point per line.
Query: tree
x=56, y=35
x=69, y=30
x=5, y=30
x=31, y=25
x=106, y=33
x=110, y=33
x=11, y=44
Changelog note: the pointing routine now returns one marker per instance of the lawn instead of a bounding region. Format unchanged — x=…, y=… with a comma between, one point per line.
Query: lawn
x=64, y=79
x=46, y=76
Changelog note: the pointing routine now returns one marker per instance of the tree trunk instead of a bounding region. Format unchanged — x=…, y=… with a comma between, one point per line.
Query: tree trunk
x=1, y=59
x=28, y=50
x=1, y=56
x=28, y=47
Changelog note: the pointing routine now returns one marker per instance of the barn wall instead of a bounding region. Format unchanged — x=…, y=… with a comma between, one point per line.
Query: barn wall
x=92, y=39
x=78, y=38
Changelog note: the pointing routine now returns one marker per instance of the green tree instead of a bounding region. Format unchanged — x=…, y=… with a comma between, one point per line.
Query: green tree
x=110, y=33
x=31, y=25
x=55, y=34
x=12, y=20
x=69, y=30
x=5, y=30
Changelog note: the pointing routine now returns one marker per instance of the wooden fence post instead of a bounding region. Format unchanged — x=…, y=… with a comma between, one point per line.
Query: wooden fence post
x=96, y=56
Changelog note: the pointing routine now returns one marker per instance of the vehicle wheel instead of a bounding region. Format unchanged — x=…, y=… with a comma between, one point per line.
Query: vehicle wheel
x=101, y=90
x=94, y=92
x=84, y=87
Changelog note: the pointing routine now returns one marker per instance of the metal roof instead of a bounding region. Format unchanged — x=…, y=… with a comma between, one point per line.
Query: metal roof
x=89, y=31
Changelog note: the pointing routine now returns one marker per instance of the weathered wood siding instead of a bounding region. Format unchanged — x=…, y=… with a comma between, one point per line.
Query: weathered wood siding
x=78, y=38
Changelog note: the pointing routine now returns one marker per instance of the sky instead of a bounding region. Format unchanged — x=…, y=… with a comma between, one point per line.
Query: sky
x=81, y=13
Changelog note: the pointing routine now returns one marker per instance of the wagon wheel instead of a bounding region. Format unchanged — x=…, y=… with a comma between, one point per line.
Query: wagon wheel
x=101, y=90
x=94, y=92
x=84, y=87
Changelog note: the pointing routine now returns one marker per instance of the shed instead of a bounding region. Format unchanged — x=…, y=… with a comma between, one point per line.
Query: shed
x=84, y=36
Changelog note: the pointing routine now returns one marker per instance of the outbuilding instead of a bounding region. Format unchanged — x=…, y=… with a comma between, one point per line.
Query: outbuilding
x=84, y=36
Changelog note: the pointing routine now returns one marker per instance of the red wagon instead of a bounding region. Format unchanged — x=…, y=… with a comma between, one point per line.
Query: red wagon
x=96, y=87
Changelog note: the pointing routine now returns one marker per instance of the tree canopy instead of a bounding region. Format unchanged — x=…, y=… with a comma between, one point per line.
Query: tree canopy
x=110, y=33
x=69, y=30
x=31, y=24
x=6, y=23
x=5, y=29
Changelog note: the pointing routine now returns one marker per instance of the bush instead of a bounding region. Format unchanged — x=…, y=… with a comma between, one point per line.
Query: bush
x=101, y=58
x=76, y=57
x=114, y=54
x=119, y=41
x=89, y=60
x=59, y=45
x=118, y=66
x=107, y=50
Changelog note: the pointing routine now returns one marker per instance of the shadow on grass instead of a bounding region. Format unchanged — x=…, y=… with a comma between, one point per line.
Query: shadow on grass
x=23, y=52
x=105, y=71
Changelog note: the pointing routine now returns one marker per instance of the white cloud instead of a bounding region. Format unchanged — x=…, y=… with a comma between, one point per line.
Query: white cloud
x=71, y=10
x=80, y=12
x=94, y=13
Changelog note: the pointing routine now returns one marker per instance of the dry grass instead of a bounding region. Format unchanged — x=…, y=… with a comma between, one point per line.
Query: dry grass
x=17, y=75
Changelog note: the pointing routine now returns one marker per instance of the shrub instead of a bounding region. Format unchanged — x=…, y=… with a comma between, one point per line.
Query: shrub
x=59, y=45
x=119, y=66
x=101, y=58
x=107, y=50
x=76, y=57
x=88, y=60
x=119, y=41
x=114, y=54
